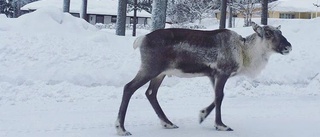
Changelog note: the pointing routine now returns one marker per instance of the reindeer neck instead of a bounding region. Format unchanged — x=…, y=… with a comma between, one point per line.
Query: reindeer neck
x=255, y=55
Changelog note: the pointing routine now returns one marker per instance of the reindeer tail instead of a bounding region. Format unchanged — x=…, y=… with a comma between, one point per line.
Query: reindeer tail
x=138, y=42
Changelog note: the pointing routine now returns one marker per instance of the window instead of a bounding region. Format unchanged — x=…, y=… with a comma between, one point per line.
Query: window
x=113, y=19
x=287, y=16
x=99, y=19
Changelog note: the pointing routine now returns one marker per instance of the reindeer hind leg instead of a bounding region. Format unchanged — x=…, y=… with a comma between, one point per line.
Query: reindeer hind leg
x=151, y=94
x=141, y=78
x=206, y=111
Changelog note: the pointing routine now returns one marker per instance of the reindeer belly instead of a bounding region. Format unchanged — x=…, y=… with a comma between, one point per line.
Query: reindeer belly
x=188, y=70
x=181, y=74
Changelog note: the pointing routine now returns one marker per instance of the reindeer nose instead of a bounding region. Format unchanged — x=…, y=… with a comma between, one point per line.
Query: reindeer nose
x=286, y=50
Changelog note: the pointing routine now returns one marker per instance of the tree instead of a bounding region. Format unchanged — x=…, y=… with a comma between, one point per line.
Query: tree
x=177, y=12
x=121, y=18
x=158, y=17
x=145, y=5
x=223, y=15
x=12, y=7
x=246, y=8
x=6, y=8
x=134, y=27
x=230, y=14
x=17, y=4
x=181, y=11
x=83, y=13
x=264, y=13
x=200, y=8
x=66, y=5
x=317, y=6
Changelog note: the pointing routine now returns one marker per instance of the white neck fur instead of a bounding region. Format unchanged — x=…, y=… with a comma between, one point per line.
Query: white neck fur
x=256, y=53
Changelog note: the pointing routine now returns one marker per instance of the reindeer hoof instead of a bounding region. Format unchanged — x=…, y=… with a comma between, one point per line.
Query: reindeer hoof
x=168, y=126
x=223, y=128
x=124, y=133
x=121, y=131
x=203, y=115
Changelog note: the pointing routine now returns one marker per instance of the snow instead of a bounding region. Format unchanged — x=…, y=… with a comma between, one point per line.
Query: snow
x=59, y=76
x=106, y=7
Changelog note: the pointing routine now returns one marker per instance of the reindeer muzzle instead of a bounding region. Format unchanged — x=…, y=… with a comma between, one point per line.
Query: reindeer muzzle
x=286, y=50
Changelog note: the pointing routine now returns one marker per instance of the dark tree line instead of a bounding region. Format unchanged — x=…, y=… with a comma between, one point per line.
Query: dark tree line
x=11, y=8
x=6, y=8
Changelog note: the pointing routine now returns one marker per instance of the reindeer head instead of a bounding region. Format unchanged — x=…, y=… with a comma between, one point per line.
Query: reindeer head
x=273, y=37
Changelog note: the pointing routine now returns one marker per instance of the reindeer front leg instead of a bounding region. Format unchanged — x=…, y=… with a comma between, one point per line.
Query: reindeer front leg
x=220, y=81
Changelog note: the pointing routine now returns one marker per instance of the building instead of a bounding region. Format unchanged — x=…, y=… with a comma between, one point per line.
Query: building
x=286, y=9
x=294, y=9
x=99, y=11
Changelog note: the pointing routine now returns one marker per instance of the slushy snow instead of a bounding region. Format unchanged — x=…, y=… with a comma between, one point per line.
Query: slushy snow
x=62, y=77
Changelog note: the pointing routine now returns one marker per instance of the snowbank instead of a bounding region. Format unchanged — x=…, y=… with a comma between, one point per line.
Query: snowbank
x=48, y=19
x=3, y=16
x=62, y=48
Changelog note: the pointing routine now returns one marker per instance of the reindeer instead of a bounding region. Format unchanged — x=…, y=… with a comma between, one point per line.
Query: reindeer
x=217, y=54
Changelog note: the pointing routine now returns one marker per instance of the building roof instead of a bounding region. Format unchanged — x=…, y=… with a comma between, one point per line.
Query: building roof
x=294, y=5
x=105, y=7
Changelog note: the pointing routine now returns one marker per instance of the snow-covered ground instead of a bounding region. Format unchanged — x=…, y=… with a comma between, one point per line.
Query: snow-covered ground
x=61, y=77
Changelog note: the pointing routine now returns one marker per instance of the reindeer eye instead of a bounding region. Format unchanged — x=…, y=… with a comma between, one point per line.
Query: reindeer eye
x=268, y=34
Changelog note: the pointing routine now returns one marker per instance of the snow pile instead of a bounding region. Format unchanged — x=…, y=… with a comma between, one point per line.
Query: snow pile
x=62, y=48
x=3, y=16
x=49, y=19
x=314, y=85
x=4, y=25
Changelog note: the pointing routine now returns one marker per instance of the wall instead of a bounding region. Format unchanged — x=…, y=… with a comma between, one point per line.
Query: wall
x=92, y=19
x=107, y=19
x=298, y=15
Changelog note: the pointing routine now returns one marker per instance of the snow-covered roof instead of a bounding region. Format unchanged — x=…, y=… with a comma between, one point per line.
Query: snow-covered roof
x=106, y=7
x=294, y=5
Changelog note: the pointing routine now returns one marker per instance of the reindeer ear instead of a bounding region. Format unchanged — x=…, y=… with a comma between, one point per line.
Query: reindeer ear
x=257, y=29
x=279, y=27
